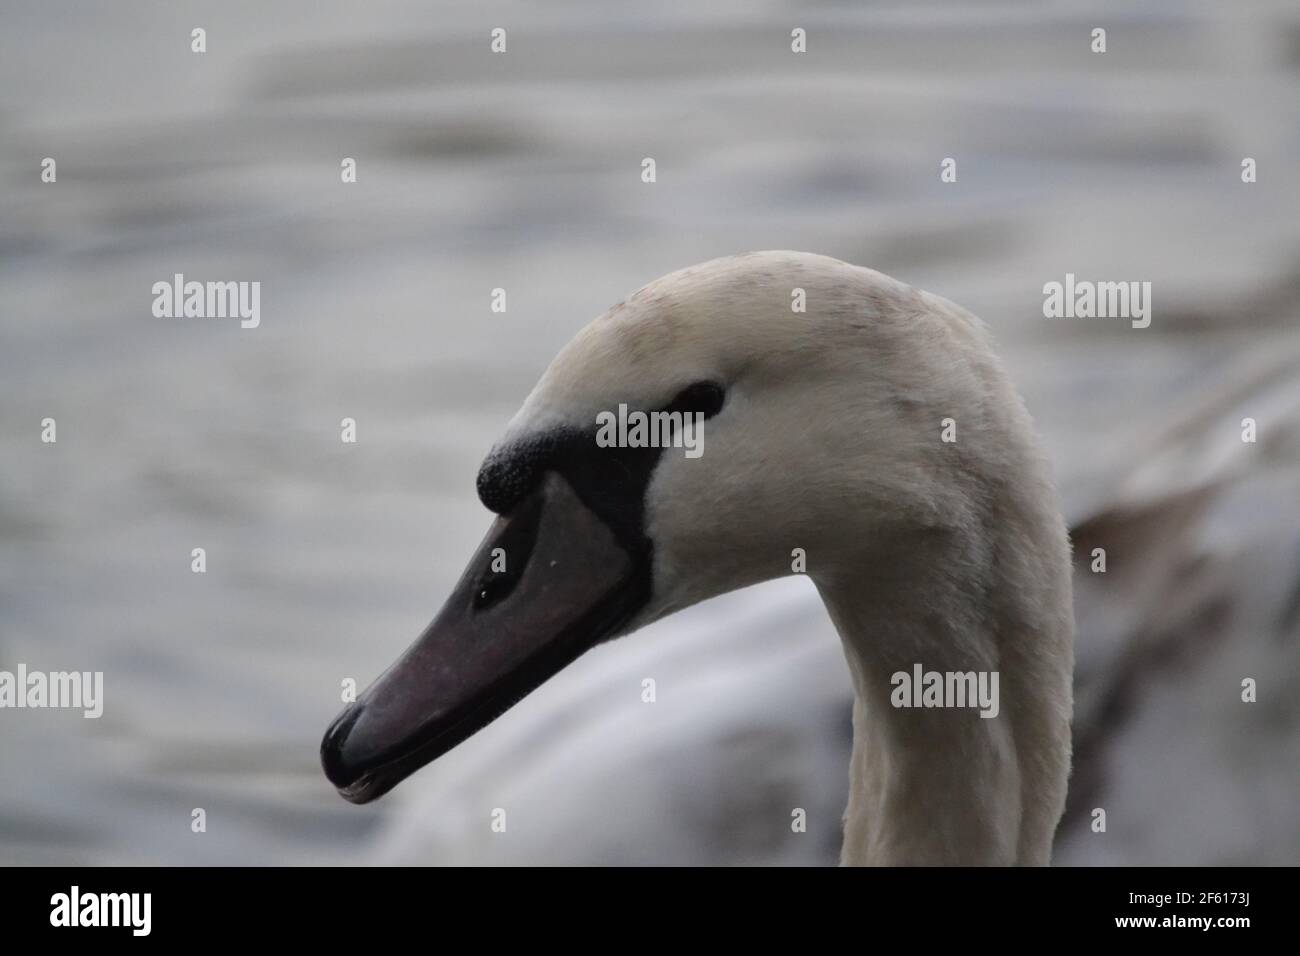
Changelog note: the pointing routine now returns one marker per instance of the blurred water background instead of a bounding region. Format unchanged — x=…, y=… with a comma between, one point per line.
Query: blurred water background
x=522, y=171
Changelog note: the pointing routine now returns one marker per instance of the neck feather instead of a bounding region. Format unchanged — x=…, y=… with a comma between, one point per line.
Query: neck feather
x=943, y=785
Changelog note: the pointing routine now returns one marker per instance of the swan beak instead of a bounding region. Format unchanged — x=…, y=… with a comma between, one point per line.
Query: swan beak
x=548, y=582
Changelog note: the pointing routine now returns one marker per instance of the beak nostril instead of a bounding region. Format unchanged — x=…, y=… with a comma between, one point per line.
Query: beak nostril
x=494, y=586
x=513, y=546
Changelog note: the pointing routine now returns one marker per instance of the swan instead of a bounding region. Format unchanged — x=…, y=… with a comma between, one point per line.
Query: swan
x=873, y=442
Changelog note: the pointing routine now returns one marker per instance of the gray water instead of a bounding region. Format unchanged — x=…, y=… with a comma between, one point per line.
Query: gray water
x=522, y=171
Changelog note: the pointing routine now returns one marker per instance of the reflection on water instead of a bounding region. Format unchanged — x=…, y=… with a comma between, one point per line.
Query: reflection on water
x=522, y=171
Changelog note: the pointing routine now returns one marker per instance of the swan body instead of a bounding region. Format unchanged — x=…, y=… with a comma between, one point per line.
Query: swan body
x=874, y=442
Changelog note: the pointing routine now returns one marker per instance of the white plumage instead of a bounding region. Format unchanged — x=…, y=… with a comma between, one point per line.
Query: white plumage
x=948, y=554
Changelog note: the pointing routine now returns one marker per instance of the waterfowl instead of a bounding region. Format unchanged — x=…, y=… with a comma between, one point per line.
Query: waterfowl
x=873, y=442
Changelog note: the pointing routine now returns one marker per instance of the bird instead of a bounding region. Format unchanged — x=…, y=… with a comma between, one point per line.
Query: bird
x=850, y=428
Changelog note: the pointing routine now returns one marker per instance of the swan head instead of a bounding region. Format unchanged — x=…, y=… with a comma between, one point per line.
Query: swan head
x=819, y=441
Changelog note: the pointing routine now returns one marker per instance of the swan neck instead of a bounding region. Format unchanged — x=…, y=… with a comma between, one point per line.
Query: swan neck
x=936, y=779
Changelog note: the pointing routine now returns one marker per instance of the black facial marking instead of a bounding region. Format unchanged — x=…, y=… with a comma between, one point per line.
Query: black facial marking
x=610, y=481
x=505, y=479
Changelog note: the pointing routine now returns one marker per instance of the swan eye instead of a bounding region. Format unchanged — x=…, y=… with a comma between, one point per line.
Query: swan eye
x=704, y=397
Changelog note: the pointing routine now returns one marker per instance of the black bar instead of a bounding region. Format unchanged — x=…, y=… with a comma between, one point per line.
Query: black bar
x=438, y=906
